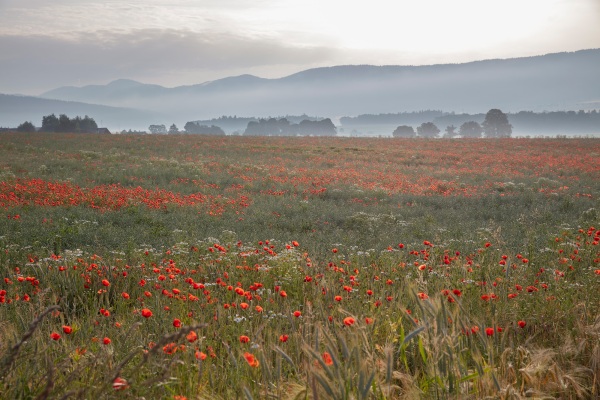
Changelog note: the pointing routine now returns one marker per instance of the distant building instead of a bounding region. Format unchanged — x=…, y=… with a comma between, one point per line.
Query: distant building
x=103, y=130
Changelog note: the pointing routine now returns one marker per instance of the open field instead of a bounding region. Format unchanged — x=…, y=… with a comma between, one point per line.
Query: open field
x=256, y=267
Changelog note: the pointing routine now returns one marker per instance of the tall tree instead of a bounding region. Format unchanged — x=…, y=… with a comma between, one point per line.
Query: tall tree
x=26, y=127
x=173, y=129
x=49, y=123
x=65, y=124
x=88, y=125
x=496, y=124
x=404, y=131
x=450, y=131
x=428, y=129
x=325, y=127
x=470, y=129
x=157, y=129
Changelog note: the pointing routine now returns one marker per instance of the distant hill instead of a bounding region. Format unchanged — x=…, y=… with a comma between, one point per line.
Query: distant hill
x=15, y=110
x=560, y=81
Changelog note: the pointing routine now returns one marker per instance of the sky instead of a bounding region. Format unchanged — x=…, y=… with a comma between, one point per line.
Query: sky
x=45, y=44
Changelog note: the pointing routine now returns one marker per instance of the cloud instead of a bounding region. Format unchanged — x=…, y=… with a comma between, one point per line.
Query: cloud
x=75, y=42
x=44, y=62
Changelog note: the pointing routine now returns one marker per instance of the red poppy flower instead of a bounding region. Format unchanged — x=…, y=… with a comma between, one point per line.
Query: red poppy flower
x=251, y=360
x=105, y=282
x=522, y=323
x=170, y=348
x=283, y=338
x=67, y=329
x=297, y=313
x=106, y=341
x=192, y=337
x=200, y=355
x=120, y=384
x=327, y=358
x=146, y=313
x=489, y=331
x=349, y=321
x=244, y=339
x=54, y=336
x=177, y=323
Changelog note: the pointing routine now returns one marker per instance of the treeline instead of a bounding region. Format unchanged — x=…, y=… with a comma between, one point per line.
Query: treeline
x=196, y=128
x=523, y=122
x=283, y=127
x=495, y=125
x=237, y=125
x=190, y=127
x=412, y=118
x=62, y=123
x=255, y=127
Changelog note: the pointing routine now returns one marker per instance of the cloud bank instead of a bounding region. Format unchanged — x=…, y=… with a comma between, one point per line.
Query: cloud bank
x=46, y=44
x=36, y=61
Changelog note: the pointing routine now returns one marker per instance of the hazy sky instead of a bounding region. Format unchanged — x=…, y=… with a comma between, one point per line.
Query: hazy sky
x=50, y=43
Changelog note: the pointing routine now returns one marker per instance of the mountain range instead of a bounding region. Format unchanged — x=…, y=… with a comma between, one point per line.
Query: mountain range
x=559, y=81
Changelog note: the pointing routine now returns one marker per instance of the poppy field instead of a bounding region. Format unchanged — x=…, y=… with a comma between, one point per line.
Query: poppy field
x=192, y=267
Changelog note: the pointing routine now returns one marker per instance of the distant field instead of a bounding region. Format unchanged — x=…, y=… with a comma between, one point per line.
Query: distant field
x=306, y=267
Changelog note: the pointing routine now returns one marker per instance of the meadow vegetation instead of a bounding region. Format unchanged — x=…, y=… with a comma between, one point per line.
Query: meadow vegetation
x=184, y=266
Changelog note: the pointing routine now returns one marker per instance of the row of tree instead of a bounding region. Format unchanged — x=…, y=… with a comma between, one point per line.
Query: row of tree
x=194, y=127
x=283, y=127
x=190, y=127
x=495, y=125
x=62, y=123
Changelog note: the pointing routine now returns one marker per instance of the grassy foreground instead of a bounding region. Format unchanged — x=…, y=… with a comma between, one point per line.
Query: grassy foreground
x=231, y=267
